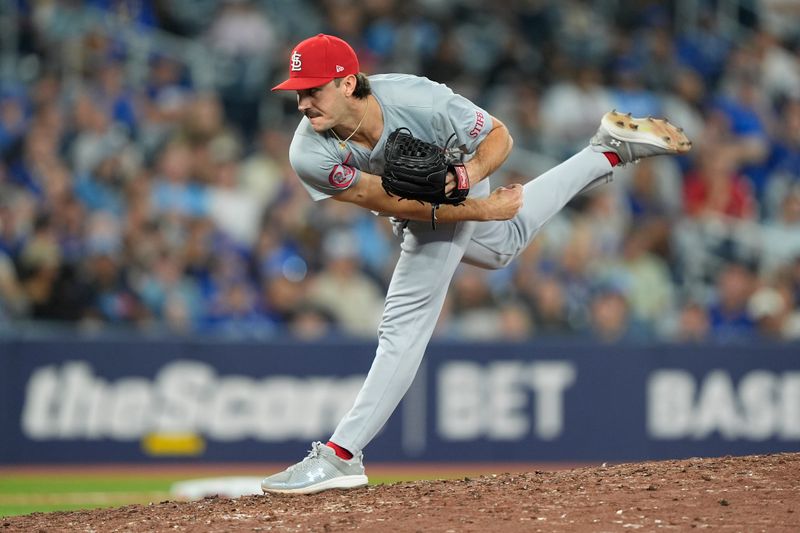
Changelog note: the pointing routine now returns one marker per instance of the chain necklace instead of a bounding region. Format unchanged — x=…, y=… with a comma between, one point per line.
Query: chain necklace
x=343, y=142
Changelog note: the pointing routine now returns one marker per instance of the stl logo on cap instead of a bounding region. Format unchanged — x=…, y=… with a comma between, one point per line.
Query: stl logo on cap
x=296, y=63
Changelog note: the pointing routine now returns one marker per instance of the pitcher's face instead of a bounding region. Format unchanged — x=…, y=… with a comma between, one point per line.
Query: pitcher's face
x=324, y=106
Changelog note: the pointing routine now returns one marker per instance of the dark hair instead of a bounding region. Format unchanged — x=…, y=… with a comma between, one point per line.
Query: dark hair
x=362, y=89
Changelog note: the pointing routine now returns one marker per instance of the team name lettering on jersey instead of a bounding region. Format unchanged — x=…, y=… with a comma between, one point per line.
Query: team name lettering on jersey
x=480, y=121
x=296, y=63
x=341, y=176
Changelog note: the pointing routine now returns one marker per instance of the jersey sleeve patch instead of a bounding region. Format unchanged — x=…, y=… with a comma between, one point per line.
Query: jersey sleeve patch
x=342, y=176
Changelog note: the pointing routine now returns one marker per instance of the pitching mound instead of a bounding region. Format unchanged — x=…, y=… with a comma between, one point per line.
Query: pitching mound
x=755, y=493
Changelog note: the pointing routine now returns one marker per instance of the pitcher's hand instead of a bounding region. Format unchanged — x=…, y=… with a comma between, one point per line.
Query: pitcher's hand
x=449, y=183
x=505, y=202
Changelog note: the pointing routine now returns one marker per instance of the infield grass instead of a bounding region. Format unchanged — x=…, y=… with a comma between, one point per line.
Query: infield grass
x=22, y=494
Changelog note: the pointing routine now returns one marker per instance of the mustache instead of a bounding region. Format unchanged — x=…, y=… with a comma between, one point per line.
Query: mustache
x=312, y=114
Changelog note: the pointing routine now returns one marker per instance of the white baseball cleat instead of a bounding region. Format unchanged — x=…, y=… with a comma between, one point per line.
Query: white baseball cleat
x=321, y=470
x=636, y=138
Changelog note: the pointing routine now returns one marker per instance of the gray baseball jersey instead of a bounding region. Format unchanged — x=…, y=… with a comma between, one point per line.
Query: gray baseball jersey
x=428, y=257
x=430, y=110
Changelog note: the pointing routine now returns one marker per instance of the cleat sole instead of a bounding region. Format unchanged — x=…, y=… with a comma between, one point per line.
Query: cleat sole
x=652, y=131
x=341, y=482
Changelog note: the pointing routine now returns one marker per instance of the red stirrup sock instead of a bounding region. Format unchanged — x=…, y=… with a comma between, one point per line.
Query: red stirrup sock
x=612, y=158
x=341, y=453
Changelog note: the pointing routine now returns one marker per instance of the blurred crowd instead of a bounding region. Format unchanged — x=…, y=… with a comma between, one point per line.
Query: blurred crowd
x=151, y=202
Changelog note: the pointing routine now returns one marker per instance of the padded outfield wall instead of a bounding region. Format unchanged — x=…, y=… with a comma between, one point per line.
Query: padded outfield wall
x=71, y=401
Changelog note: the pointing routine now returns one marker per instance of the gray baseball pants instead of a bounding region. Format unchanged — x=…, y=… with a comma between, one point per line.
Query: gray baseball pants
x=427, y=263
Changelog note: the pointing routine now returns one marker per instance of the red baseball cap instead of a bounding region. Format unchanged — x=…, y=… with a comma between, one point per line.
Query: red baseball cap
x=318, y=60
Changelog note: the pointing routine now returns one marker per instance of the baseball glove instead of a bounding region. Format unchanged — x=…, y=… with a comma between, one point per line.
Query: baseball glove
x=417, y=170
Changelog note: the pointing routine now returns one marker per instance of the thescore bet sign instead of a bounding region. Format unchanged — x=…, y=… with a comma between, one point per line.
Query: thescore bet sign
x=507, y=400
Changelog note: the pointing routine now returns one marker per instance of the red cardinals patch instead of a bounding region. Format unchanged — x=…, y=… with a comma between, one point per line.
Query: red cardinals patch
x=342, y=176
x=480, y=122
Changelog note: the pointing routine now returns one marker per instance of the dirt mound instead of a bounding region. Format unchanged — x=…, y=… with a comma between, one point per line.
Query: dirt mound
x=754, y=493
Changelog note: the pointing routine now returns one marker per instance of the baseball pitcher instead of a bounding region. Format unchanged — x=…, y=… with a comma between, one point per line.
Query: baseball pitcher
x=409, y=148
